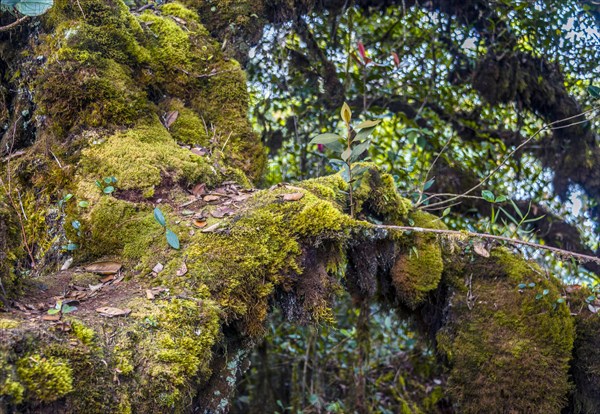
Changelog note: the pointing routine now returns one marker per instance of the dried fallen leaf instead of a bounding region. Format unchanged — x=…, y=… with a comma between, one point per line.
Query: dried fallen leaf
x=593, y=308
x=149, y=294
x=158, y=268
x=103, y=268
x=182, y=270
x=111, y=312
x=170, y=118
x=211, y=197
x=199, y=189
x=94, y=288
x=199, y=223
x=480, y=249
x=573, y=288
x=107, y=278
x=212, y=228
x=51, y=318
x=292, y=196
x=199, y=151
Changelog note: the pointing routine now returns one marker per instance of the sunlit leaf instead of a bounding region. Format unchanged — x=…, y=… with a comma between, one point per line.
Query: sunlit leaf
x=325, y=139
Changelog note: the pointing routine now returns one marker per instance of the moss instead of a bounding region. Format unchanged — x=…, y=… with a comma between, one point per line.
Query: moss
x=377, y=195
x=173, y=353
x=140, y=157
x=122, y=228
x=47, y=379
x=419, y=271
x=507, y=351
x=85, y=334
x=188, y=128
x=13, y=390
x=8, y=323
x=84, y=279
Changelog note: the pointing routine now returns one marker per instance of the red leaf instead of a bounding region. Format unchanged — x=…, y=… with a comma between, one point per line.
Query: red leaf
x=361, y=50
x=396, y=59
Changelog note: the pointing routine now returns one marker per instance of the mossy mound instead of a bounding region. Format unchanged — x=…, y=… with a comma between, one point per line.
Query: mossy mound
x=508, y=349
x=418, y=271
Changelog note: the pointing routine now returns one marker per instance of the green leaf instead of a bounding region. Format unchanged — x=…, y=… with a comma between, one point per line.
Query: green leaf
x=363, y=134
x=83, y=204
x=76, y=224
x=68, y=309
x=336, y=146
x=346, y=173
x=428, y=184
x=108, y=190
x=501, y=199
x=70, y=247
x=346, y=154
x=34, y=7
x=594, y=91
x=107, y=180
x=368, y=124
x=325, y=139
x=357, y=170
x=488, y=196
x=346, y=113
x=531, y=285
x=590, y=298
x=159, y=217
x=172, y=239
x=53, y=311
x=522, y=286
x=538, y=296
x=560, y=300
x=546, y=291
x=446, y=212
x=358, y=150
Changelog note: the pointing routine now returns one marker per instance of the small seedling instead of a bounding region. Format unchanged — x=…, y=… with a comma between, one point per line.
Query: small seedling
x=61, y=307
x=350, y=148
x=107, y=185
x=172, y=238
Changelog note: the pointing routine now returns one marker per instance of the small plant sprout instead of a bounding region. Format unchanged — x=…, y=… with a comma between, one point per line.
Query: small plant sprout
x=350, y=148
x=172, y=238
x=61, y=307
x=107, y=185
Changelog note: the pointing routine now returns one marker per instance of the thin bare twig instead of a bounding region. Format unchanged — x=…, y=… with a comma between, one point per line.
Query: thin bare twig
x=13, y=24
x=567, y=253
x=507, y=157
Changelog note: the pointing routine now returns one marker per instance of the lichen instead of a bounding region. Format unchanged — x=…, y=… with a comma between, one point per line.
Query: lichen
x=507, y=350
x=46, y=379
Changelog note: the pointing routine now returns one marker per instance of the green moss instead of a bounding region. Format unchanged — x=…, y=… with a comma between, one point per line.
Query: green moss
x=188, y=128
x=13, y=390
x=377, y=195
x=83, y=333
x=140, y=157
x=507, y=350
x=8, y=323
x=419, y=271
x=175, y=352
x=47, y=379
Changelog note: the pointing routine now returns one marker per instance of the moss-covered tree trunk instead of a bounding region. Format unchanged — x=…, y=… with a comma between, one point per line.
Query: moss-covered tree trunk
x=109, y=113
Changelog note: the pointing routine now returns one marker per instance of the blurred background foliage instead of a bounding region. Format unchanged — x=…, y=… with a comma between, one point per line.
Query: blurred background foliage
x=457, y=95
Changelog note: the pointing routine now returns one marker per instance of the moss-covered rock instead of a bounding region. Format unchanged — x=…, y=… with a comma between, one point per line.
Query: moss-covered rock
x=508, y=348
